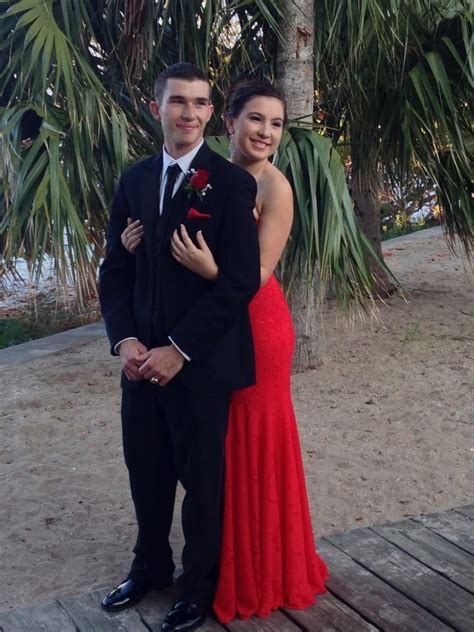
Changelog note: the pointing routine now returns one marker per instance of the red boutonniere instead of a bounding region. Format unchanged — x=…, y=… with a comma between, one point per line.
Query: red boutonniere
x=197, y=182
x=193, y=213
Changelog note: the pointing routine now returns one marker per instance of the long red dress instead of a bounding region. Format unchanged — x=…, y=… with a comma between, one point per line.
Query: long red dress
x=268, y=558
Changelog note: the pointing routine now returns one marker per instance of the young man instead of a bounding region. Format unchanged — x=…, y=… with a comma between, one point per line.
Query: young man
x=185, y=343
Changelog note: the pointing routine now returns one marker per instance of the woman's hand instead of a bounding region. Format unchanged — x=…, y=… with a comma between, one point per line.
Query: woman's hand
x=132, y=236
x=198, y=259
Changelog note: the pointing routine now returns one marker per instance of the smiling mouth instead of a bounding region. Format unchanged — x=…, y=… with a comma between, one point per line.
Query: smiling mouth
x=260, y=143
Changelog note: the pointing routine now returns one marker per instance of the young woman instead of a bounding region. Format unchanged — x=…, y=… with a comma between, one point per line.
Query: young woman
x=268, y=556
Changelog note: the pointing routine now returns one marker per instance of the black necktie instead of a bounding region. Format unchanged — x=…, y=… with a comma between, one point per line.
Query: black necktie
x=172, y=174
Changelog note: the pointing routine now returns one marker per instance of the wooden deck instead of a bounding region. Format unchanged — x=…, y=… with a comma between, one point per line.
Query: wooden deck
x=415, y=575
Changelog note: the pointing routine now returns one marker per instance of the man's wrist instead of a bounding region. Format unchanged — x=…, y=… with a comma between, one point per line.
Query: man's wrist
x=179, y=356
x=180, y=351
x=117, y=346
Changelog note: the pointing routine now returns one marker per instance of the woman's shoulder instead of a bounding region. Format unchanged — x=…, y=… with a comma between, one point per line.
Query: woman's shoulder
x=275, y=195
x=275, y=183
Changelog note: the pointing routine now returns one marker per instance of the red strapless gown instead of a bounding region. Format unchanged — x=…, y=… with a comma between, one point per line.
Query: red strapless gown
x=268, y=558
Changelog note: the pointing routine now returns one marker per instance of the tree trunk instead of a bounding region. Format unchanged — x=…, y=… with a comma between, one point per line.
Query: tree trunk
x=366, y=188
x=303, y=306
x=295, y=64
x=295, y=69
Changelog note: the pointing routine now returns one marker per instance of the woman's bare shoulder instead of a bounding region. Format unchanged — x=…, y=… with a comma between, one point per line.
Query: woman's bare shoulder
x=276, y=183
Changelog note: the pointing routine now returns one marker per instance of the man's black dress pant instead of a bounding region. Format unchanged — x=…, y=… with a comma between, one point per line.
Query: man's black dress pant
x=170, y=434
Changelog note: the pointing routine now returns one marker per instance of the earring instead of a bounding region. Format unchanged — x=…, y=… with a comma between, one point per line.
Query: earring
x=231, y=145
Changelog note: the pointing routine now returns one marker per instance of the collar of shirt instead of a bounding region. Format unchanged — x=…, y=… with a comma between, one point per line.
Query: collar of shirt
x=184, y=164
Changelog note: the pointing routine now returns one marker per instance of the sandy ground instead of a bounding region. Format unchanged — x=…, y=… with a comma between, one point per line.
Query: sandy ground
x=386, y=427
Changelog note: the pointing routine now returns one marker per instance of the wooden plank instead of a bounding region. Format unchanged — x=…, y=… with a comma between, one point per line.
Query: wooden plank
x=155, y=606
x=433, y=550
x=374, y=599
x=452, y=526
x=443, y=599
x=46, y=617
x=330, y=615
x=322, y=617
x=467, y=510
x=88, y=616
x=276, y=622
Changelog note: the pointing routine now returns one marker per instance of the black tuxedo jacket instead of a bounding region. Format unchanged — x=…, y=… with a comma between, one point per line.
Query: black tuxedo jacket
x=150, y=296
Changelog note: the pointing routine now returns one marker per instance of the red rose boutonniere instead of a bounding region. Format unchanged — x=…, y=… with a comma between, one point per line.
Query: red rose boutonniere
x=197, y=182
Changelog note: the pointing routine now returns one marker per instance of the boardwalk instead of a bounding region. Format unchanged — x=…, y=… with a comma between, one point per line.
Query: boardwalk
x=412, y=576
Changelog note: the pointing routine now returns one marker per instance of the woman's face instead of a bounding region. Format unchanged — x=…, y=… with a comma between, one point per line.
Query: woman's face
x=257, y=130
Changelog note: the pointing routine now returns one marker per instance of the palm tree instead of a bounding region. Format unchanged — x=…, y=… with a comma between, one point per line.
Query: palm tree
x=326, y=249
x=75, y=81
x=394, y=80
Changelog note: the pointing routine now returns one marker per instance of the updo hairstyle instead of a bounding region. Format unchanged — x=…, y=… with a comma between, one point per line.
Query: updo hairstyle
x=241, y=93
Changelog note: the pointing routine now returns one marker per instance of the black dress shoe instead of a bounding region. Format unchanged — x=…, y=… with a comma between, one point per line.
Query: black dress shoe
x=128, y=593
x=183, y=617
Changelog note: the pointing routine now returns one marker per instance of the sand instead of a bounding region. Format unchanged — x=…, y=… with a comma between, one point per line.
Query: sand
x=386, y=427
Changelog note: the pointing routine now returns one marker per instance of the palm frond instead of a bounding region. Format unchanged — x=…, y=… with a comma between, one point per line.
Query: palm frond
x=58, y=182
x=75, y=82
x=403, y=71
x=325, y=235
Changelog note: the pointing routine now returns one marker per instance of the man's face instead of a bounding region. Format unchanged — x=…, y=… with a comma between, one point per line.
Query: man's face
x=184, y=111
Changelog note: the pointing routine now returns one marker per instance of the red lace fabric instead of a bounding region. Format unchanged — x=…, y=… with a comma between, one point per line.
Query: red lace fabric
x=268, y=558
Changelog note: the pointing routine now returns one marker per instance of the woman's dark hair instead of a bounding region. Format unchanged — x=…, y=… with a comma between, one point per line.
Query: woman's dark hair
x=243, y=91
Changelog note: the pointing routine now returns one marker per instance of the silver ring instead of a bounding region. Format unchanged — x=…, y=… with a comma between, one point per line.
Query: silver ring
x=154, y=380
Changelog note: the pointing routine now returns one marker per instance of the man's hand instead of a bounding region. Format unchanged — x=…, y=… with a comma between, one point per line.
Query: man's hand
x=130, y=352
x=163, y=363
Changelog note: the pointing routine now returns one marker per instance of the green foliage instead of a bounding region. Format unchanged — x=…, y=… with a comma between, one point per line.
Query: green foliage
x=324, y=237
x=75, y=80
x=76, y=77
x=324, y=233
x=37, y=323
x=14, y=331
x=405, y=228
x=59, y=171
x=398, y=75
x=410, y=207
x=86, y=72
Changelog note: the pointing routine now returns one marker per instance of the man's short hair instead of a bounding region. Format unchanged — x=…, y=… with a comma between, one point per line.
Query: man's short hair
x=183, y=70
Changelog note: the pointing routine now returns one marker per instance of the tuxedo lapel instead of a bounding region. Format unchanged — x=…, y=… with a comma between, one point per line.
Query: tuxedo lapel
x=181, y=201
x=150, y=202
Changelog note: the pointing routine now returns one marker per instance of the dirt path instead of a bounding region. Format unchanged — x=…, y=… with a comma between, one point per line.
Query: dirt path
x=386, y=427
